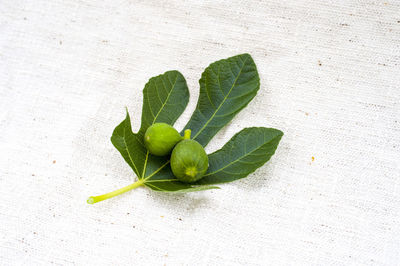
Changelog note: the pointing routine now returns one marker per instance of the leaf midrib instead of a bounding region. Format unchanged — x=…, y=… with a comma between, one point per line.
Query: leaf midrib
x=241, y=157
x=162, y=106
x=159, y=111
x=223, y=101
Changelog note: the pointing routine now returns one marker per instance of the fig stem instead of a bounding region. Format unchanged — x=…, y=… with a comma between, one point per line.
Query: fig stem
x=187, y=133
x=92, y=200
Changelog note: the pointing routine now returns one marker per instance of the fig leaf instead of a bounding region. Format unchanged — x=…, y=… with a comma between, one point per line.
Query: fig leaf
x=241, y=155
x=226, y=87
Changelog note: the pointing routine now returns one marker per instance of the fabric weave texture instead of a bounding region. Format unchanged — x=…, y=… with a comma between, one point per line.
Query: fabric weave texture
x=330, y=80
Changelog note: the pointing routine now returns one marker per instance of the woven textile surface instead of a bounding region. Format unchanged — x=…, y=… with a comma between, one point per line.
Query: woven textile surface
x=330, y=80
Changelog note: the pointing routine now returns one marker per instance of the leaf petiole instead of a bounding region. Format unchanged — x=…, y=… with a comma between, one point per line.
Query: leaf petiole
x=92, y=200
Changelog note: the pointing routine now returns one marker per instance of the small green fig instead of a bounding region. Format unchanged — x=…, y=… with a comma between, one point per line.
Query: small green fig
x=160, y=139
x=189, y=161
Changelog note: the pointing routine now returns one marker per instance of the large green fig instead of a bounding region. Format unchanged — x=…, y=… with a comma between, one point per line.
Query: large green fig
x=189, y=161
x=160, y=139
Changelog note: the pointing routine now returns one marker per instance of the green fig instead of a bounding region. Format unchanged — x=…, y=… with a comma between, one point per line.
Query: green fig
x=160, y=139
x=189, y=161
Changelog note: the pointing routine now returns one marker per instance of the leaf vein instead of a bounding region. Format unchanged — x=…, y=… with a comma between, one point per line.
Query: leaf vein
x=234, y=161
x=166, y=100
x=127, y=150
x=223, y=101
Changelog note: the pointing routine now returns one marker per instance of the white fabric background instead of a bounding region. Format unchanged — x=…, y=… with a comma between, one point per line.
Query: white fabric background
x=330, y=79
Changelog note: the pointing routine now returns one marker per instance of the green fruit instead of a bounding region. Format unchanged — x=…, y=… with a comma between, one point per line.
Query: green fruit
x=160, y=139
x=189, y=161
